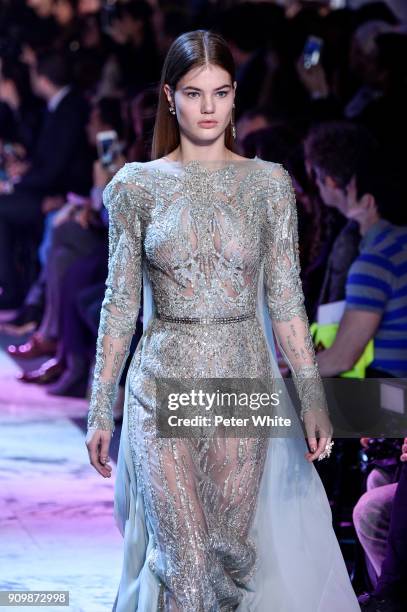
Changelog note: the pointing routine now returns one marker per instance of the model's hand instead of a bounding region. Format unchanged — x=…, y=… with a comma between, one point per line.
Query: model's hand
x=98, y=442
x=404, y=451
x=317, y=425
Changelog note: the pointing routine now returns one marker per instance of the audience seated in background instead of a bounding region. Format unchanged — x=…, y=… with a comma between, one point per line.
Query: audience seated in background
x=332, y=152
x=60, y=163
x=376, y=284
x=105, y=115
x=380, y=518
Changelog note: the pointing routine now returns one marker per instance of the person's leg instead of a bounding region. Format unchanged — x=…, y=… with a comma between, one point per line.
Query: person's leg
x=31, y=312
x=371, y=517
x=184, y=559
x=233, y=469
x=17, y=210
x=36, y=293
x=44, y=247
x=393, y=578
x=89, y=306
x=8, y=289
x=76, y=338
x=69, y=242
x=85, y=300
x=90, y=270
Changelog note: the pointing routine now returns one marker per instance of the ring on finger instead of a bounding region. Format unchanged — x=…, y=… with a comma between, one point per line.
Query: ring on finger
x=327, y=451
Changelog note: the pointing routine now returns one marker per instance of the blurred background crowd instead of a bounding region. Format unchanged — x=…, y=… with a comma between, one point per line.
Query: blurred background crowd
x=321, y=88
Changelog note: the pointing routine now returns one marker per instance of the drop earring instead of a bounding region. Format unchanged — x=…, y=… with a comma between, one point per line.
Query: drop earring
x=233, y=124
x=172, y=110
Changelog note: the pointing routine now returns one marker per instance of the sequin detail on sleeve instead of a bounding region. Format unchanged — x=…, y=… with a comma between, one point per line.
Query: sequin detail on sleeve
x=121, y=302
x=284, y=291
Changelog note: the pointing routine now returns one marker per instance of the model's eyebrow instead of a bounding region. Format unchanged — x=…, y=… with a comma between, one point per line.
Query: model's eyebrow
x=197, y=88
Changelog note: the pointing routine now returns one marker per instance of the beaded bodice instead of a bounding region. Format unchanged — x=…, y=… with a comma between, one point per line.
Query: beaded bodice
x=204, y=230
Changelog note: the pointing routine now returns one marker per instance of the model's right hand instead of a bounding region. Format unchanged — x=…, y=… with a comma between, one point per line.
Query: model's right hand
x=98, y=442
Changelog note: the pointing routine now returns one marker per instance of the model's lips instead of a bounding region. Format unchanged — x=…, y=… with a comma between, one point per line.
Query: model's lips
x=207, y=123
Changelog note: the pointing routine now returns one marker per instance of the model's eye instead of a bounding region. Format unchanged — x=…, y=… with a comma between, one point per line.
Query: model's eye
x=192, y=94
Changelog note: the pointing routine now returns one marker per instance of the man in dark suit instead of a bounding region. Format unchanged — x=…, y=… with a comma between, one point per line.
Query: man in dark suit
x=62, y=162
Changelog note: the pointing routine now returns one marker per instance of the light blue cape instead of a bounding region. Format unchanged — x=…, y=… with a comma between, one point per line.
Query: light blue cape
x=300, y=564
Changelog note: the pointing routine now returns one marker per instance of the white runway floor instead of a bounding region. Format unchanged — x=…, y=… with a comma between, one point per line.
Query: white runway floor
x=57, y=530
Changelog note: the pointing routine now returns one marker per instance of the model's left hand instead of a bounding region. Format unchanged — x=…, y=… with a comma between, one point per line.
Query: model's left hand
x=404, y=451
x=317, y=425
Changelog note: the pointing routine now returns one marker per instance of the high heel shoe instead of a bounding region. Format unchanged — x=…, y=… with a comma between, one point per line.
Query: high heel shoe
x=37, y=346
x=49, y=372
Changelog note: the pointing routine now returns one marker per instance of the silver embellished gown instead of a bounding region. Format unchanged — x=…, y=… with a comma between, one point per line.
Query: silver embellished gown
x=227, y=524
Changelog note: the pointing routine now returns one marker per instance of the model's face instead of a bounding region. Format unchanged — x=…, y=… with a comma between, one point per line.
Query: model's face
x=203, y=94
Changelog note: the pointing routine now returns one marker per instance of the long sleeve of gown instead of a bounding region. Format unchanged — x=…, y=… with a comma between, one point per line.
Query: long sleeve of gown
x=121, y=301
x=284, y=293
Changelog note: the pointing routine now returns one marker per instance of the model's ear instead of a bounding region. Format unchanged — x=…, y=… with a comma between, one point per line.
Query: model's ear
x=168, y=93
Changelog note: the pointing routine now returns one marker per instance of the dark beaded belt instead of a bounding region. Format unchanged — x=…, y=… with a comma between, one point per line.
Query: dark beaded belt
x=243, y=317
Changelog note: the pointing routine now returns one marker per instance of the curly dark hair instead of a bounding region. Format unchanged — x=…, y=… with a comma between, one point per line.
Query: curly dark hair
x=343, y=150
x=336, y=148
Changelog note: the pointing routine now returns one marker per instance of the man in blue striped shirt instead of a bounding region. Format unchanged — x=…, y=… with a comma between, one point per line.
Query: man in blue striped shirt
x=376, y=285
x=377, y=282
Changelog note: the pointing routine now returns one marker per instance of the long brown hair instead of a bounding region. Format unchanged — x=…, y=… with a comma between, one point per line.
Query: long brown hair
x=189, y=50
